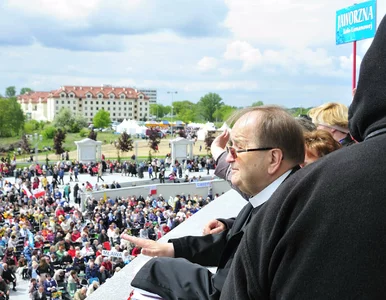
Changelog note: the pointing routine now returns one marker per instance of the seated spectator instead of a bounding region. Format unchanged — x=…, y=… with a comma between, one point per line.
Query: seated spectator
x=39, y=294
x=9, y=276
x=50, y=285
x=33, y=287
x=87, y=250
x=92, y=271
x=107, y=264
x=81, y=294
x=4, y=288
x=103, y=275
x=92, y=287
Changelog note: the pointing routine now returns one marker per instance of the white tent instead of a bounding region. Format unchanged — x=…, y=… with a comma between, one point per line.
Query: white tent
x=224, y=126
x=131, y=127
x=209, y=126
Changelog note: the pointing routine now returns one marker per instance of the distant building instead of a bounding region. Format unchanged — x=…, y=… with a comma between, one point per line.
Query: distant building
x=151, y=93
x=121, y=102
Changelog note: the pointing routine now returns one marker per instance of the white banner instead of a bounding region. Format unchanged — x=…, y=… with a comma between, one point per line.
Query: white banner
x=203, y=184
x=112, y=253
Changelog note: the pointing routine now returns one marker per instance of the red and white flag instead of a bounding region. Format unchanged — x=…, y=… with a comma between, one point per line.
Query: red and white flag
x=26, y=191
x=39, y=192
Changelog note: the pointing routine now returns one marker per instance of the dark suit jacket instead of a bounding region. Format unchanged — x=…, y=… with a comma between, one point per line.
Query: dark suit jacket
x=35, y=296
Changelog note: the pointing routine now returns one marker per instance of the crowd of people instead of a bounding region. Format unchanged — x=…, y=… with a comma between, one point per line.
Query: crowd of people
x=48, y=240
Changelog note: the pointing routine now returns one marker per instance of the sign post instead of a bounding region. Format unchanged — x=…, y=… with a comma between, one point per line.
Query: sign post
x=356, y=23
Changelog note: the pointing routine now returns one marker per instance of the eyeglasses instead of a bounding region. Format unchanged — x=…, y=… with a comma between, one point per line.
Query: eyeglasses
x=234, y=151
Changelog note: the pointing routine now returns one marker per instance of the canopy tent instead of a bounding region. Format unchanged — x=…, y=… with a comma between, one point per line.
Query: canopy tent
x=151, y=124
x=195, y=125
x=131, y=127
x=202, y=133
x=224, y=126
x=178, y=123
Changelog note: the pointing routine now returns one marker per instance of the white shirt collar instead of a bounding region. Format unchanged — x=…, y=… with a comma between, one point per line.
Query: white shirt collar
x=265, y=194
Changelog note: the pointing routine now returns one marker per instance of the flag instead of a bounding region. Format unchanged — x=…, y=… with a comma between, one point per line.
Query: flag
x=39, y=193
x=26, y=191
x=153, y=190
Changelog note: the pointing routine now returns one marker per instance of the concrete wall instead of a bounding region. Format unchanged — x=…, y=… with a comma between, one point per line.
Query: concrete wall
x=118, y=287
x=166, y=189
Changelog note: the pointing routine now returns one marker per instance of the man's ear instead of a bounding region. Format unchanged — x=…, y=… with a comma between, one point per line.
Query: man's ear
x=275, y=160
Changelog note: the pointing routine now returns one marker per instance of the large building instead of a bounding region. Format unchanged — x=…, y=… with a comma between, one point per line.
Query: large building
x=121, y=102
x=151, y=93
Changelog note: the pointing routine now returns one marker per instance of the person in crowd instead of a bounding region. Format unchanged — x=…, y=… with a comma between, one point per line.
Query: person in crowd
x=43, y=269
x=50, y=285
x=9, y=276
x=318, y=144
x=4, y=288
x=333, y=117
x=81, y=294
x=100, y=172
x=103, y=274
x=33, y=287
x=268, y=146
x=319, y=236
x=39, y=294
x=92, y=288
x=92, y=271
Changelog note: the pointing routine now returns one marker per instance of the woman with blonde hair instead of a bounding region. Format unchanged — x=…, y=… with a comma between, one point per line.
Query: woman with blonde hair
x=333, y=117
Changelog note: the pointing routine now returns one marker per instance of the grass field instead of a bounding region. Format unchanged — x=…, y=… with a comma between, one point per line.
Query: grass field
x=108, y=149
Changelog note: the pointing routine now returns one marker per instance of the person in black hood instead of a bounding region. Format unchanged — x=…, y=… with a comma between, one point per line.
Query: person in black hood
x=320, y=236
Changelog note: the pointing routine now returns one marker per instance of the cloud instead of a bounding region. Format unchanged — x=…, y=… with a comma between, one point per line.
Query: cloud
x=290, y=60
x=244, y=52
x=61, y=10
x=207, y=64
x=79, y=23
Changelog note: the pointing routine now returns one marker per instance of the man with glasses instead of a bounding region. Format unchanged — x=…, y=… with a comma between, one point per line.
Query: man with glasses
x=321, y=235
x=267, y=145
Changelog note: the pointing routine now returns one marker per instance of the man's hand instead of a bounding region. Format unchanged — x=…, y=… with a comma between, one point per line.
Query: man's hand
x=219, y=144
x=150, y=247
x=213, y=227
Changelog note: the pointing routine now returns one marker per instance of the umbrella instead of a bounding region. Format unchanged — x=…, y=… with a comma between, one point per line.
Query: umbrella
x=180, y=123
x=164, y=122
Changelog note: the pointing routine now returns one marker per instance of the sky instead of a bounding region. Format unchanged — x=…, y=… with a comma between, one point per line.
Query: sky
x=277, y=51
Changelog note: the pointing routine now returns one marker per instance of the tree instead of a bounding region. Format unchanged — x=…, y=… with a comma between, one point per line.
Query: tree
x=257, y=103
x=102, y=119
x=25, y=90
x=49, y=132
x=59, y=138
x=10, y=91
x=209, y=140
x=208, y=106
x=154, y=139
x=185, y=111
x=66, y=119
x=11, y=117
x=159, y=110
x=125, y=143
x=93, y=135
x=224, y=112
x=25, y=144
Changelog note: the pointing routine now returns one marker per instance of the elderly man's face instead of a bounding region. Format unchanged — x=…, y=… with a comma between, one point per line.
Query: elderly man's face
x=249, y=169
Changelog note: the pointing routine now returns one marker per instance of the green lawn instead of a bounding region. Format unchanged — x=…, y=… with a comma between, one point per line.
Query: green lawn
x=69, y=144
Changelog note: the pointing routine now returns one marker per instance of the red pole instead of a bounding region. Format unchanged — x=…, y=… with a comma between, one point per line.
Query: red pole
x=354, y=65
